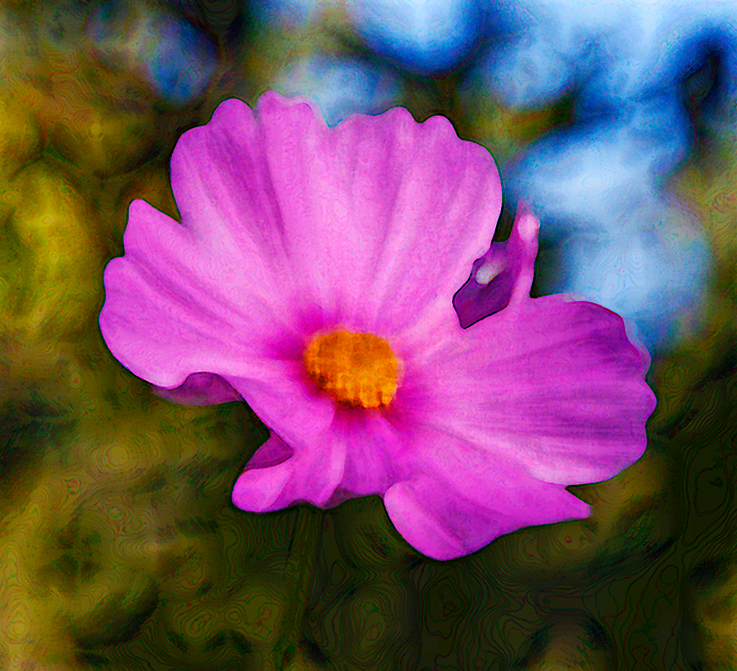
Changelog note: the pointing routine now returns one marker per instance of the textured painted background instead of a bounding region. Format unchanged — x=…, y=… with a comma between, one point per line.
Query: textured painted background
x=119, y=546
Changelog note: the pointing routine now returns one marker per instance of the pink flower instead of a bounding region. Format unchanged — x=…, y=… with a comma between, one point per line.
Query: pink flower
x=313, y=273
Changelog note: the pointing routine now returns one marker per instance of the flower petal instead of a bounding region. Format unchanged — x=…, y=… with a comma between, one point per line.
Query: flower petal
x=554, y=385
x=289, y=228
x=172, y=310
x=265, y=478
x=277, y=476
x=372, y=221
x=406, y=208
x=373, y=450
x=360, y=449
x=200, y=389
x=462, y=498
x=288, y=402
x=503, y=274
x=223, y=188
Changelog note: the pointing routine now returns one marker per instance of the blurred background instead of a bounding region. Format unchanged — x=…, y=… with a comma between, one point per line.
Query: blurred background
x=616, y=121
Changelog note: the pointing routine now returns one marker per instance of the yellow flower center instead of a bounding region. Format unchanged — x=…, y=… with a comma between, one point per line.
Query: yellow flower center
x=357, y=369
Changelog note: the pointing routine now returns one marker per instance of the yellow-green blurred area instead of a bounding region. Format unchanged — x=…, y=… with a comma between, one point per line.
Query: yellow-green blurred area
x=119, y=545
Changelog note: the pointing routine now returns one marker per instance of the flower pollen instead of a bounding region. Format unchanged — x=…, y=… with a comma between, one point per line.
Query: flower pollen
x=357, y=369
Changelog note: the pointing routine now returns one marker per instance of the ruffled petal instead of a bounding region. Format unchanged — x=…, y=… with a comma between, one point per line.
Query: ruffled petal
x=461, y=498
x=172, y=310
x=360, y=455
x=370, y=223
x=503, y=275
x=223, y=188
x=406, y=208
x=277, y=476
x=551, y=384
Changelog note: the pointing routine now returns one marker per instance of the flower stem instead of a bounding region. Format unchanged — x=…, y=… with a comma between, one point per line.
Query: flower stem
x=303, y=550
